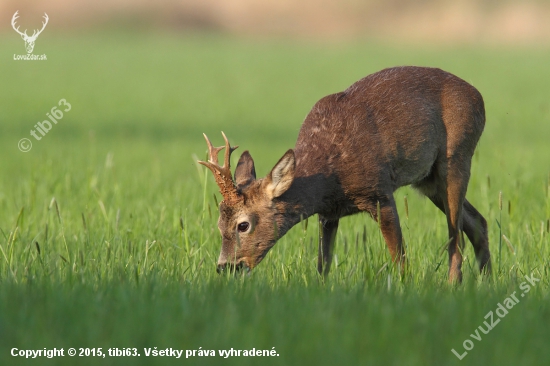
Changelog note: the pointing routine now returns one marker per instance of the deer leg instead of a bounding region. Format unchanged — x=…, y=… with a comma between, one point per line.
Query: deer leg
x=453, y=197
x=327, y=236
x=475, y=227
x=391, y=230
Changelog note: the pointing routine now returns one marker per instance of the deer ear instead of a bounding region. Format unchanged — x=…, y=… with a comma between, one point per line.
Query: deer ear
x=281, y=176
x=245, y=173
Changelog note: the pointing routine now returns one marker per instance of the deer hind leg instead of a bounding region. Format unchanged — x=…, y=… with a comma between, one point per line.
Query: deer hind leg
x=475, y=227
x=456, y=174
x=446, y=188
x=327, y=237
x=391, y=230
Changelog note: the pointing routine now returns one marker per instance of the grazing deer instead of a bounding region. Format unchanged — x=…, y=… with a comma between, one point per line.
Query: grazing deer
x=29, y=40
x=399, y=126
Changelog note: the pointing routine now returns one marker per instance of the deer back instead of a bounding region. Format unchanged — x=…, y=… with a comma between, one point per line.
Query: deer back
x=386, y=131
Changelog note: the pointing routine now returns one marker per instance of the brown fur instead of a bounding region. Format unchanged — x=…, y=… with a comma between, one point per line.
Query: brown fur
x=399, y=126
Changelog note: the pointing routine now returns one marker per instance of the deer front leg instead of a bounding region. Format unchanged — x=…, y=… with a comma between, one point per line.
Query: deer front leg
x=327, y=236
x=391, y=230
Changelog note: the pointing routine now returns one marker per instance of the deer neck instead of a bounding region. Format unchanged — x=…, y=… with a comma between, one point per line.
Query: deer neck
x=309, y=194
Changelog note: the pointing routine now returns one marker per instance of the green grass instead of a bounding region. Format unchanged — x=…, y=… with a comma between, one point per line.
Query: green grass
x=108, y=227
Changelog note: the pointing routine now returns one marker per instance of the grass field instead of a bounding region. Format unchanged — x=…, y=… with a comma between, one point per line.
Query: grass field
x=108, y=226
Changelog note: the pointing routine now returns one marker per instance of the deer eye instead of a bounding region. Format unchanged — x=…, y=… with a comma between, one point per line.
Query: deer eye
x=243, y=227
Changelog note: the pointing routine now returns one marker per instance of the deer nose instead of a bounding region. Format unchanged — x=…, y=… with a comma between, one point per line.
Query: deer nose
x=221, y=267
x=232, y=267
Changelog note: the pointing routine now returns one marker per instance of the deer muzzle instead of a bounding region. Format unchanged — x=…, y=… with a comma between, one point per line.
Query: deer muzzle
x=231, y=267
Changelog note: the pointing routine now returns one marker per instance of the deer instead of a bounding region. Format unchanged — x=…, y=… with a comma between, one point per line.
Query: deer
x=29, y=40
x=400, y=126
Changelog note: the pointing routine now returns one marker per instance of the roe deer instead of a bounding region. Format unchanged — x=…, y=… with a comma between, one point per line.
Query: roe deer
x=399, y=126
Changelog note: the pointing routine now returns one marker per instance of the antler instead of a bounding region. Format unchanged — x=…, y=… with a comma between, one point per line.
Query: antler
x=36, y=33
x=222, y=174
x=13, y=19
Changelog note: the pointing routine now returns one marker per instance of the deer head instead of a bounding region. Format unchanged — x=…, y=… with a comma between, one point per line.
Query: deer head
x=29, y=40
x=250, y=219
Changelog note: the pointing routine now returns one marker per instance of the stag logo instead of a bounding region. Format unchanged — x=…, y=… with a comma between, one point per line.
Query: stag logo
x=29, y=40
